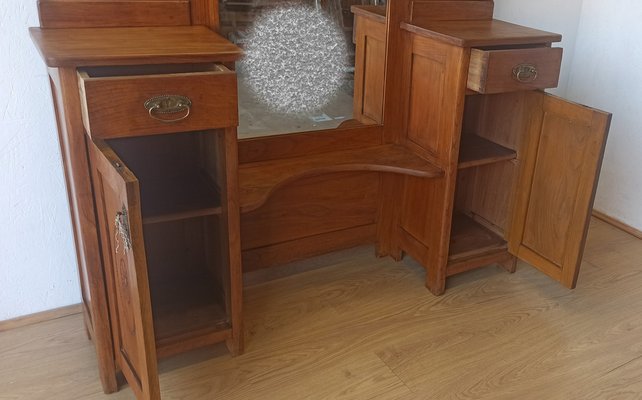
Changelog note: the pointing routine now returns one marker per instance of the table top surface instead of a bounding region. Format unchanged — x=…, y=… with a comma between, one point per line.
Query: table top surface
x=74, y=47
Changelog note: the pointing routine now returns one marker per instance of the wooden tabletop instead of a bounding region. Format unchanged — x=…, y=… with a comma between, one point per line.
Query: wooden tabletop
x=377, y=13
x=130, y=46
x=481, y=33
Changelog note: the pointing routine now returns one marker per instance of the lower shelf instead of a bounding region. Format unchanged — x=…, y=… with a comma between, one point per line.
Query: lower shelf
x=473, y=245
x=188, y=314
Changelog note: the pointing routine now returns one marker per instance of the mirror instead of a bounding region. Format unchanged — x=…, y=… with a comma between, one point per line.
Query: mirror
x=298, y=72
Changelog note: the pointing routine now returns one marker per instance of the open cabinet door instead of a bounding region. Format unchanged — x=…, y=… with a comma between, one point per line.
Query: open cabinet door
x=557, y=186
x=119, y=216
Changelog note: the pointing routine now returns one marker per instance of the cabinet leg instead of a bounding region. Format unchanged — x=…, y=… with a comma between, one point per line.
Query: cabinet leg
x=509, y=265
x=436, y=285
x=235, y=345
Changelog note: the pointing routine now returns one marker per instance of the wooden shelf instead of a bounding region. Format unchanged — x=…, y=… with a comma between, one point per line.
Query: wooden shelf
x=473, y=246
x=258, y=180
x=476, y=151
x=180, y=197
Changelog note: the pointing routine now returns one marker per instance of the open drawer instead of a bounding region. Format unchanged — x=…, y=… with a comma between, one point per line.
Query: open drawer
x=509, y=70
x=157, y=99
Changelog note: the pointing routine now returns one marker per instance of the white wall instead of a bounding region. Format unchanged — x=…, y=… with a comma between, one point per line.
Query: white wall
x=549, y=15
x=37, y=258
x=606, y=74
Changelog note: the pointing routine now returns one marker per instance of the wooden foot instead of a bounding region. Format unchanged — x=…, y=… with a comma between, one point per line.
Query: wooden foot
x=436, y=286
x=235, y=345
x=509, y=265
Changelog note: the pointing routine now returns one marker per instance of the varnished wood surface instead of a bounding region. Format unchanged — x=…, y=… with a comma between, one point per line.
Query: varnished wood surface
x=431, y=10
x=131, y=46
x=376, y=13
x=475, y=151
x=130, y=13
x=618, y=223
x=491, y=71
x=258, y=180
x=365, y=328
x=213, y=95
x=40, y=317
x=481, y=33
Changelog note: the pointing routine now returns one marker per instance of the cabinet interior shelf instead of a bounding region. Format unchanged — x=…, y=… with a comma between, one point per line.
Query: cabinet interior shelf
x=186, y=311
x=472, y=245
x=476, y=151
x=173, y=198
x=258, y=180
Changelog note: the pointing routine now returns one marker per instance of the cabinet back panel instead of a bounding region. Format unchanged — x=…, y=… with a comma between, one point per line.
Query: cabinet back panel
x=488, y=191
x=125, y=13
x=311, y=207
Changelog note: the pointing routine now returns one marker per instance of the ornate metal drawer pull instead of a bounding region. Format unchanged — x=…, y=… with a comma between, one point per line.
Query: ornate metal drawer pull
x=121, y=228
x=168, y=104
x=525, y=73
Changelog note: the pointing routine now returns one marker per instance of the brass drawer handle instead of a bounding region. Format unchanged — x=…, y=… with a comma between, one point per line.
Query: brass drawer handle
x=168, y=104
x=525, y=73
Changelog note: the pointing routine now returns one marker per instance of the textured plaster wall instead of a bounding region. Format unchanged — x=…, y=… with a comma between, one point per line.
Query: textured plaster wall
x=608, y=58
x=37, y=258
x=557, y=16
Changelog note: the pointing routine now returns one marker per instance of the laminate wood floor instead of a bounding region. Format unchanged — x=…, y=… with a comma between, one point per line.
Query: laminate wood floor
x=365, y=328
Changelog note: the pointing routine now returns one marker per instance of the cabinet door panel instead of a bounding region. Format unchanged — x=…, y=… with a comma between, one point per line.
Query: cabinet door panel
x=118, y=207
x=557, y=187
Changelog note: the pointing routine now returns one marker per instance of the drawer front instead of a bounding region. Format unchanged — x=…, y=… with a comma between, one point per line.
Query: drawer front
x=497, y=71
x=139, y=105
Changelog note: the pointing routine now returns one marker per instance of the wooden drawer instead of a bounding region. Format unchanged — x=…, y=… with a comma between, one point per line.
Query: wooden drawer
x=116, y=105
x=497, y=71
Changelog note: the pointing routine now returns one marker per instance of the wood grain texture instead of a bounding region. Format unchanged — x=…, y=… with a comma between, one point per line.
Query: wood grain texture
x=369, y=328
x=114, y=106
x=205, y=12
x=481, y=33
x=73, y=47
x=561, y=182
x=434, y=83
x=117, y=189
x=314, y=206
x=259, y=180
x=40, y=317
x=430, y=10
x=491, y=71
x=375, y=13
x=369, y=70
x=73, y=148
x=114, y=13
x=618, y=223
x=308, y=143
x=476, y=151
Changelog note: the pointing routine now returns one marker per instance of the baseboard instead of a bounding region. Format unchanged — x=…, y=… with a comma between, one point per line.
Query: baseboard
x=618, y=224
x=40, y=317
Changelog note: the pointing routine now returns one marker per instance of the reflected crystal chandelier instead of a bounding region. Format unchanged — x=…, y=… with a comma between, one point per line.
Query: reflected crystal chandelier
x=296, y=58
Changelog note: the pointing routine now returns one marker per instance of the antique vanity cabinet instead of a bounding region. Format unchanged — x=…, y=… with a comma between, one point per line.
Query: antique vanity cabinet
x=147, y=122
x=521, y=165
x=455, y=156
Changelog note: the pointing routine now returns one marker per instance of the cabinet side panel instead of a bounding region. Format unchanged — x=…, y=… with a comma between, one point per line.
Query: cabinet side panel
x=81, y=204
x=434, y=82
x=370, y=57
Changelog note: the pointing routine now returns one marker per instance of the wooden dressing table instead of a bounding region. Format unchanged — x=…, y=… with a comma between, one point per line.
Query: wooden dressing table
x=455, y=157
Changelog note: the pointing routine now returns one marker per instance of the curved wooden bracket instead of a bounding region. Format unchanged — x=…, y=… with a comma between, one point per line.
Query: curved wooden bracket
x=257, y=181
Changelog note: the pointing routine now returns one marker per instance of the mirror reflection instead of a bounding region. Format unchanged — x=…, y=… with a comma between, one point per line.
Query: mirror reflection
x=298, y=73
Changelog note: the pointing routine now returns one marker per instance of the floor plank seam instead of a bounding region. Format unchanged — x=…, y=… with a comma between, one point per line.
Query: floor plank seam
x=624, y=364
x=395, y=374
